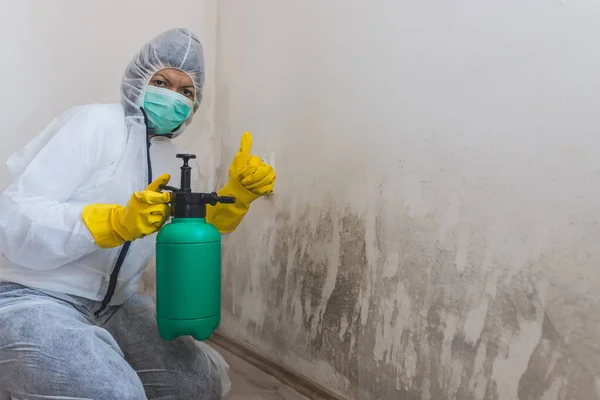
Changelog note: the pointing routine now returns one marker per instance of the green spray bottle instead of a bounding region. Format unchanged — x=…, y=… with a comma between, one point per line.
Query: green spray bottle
x=188, y=264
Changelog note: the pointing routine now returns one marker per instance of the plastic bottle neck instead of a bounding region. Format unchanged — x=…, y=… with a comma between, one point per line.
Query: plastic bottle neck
x=188, y=220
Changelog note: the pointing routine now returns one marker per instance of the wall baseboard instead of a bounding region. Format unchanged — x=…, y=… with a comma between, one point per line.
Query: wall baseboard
x=303, y=385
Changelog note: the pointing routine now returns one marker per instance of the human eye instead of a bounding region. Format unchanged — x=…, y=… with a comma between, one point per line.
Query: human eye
x=188, y=93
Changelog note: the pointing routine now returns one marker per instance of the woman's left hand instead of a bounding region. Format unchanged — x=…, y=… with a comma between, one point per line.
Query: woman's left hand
x=252, y=173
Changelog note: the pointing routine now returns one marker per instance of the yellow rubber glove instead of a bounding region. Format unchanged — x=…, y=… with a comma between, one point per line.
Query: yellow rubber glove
x=249, y=179
x=258, y=177
x=111, y=225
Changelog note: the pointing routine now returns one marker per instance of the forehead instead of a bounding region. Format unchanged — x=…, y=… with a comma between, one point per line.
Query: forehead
x=175, y=76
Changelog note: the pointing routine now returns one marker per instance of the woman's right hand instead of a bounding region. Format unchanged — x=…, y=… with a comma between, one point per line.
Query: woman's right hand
x=146, y=212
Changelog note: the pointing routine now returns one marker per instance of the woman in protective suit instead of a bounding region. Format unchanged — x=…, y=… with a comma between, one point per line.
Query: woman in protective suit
x=77, y=228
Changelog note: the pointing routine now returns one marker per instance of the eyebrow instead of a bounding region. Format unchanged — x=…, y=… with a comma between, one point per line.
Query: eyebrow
x=164, y=78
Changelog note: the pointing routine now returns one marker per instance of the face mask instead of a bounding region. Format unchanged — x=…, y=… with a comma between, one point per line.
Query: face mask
x=165, y=109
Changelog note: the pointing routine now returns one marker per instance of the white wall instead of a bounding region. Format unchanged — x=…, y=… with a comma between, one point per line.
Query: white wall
x=59, y=54
x=434, y=232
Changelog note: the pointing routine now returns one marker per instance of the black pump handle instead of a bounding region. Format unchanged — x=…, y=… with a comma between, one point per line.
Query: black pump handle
x=186, y=173
x=186, y=158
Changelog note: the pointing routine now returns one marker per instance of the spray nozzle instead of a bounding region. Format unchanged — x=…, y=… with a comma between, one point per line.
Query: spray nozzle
x=213, y=198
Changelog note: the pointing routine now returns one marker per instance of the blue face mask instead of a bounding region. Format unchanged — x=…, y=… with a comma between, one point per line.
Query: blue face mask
x=165, y=109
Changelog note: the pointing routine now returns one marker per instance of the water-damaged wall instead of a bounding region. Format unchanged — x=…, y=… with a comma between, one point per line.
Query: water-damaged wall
x=434, y=232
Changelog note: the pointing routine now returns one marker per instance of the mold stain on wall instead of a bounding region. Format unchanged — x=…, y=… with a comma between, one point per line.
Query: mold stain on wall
x=321, y=270
x=375, y=298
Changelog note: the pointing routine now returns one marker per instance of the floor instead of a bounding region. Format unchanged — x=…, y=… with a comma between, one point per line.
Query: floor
x=250, y=383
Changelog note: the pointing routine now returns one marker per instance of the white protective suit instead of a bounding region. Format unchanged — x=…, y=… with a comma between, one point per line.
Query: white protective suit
x=91, y=154
x=72, y=324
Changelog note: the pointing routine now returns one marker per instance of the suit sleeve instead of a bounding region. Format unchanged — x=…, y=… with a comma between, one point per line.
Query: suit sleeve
x=40, y=228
